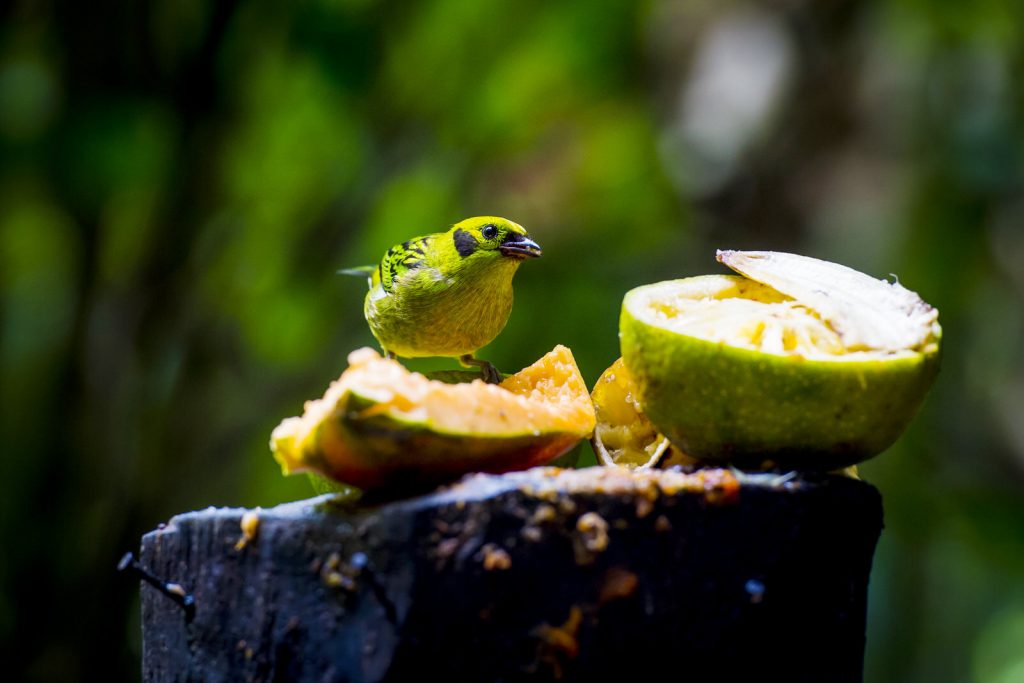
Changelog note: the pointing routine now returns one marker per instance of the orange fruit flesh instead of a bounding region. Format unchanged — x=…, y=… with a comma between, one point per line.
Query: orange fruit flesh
x=623, y=435
x=381, y=425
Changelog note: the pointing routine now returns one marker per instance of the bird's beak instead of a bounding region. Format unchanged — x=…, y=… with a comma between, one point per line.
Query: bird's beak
x=518, y=246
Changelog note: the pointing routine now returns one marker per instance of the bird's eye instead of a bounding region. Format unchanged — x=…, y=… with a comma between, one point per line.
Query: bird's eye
x=489, y=232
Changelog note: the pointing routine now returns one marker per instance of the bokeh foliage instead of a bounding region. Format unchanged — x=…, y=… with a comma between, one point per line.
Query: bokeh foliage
x=179, y=181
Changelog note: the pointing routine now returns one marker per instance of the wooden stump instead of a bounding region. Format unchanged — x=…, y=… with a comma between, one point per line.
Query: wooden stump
x=547, y=574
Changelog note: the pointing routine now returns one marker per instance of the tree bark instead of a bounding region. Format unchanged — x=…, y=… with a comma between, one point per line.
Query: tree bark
x=546, y=574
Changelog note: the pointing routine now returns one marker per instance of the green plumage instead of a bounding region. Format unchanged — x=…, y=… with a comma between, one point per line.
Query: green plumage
x=447, y=294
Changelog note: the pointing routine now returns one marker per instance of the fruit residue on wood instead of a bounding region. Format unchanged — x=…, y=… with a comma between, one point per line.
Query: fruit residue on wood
x=250, y=525
x=559, y=643
x=591, y=537
x=494, y=557
x=718, y=485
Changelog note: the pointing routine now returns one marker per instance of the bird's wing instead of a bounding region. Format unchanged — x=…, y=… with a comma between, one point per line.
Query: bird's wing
x=403, y=258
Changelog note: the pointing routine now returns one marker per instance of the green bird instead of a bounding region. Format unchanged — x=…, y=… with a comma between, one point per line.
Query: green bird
x=449, y=293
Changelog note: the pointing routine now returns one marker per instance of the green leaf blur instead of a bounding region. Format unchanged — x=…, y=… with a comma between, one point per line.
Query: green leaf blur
x=180, y=181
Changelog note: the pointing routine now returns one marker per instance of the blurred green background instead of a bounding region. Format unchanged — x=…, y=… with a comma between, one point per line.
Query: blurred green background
x=179, y=181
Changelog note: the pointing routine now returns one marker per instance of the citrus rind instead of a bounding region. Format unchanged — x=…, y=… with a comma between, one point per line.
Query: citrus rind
x=763, y=377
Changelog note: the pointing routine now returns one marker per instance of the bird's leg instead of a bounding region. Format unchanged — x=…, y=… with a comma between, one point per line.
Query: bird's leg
x=490, y=374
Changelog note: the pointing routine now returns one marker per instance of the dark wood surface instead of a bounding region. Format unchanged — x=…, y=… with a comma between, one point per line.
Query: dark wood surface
x=540, y=575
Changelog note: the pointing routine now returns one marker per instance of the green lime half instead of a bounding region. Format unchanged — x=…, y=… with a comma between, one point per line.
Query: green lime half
x=733, y=370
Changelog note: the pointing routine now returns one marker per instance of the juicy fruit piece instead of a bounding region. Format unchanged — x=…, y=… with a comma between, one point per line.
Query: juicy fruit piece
x=623, y=435
x=380, y=425
x=730, y=369
x=865, y=313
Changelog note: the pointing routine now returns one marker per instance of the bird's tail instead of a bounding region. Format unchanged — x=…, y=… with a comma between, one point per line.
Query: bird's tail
x=360, y=271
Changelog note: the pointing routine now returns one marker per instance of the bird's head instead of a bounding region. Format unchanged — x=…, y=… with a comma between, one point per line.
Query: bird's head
x=493, y=236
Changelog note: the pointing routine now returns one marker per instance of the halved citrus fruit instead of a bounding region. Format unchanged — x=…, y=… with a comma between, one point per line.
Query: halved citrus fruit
x=380, y=425
x=809, y=364
x=623, y=435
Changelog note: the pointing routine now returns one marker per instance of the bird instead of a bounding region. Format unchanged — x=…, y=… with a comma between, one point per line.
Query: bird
x=449, y=293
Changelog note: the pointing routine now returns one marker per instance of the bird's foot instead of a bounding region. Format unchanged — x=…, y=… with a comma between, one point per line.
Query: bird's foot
x=488, y=372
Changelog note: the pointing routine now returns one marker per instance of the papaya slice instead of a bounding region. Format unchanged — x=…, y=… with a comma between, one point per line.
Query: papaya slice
x=380, y=425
